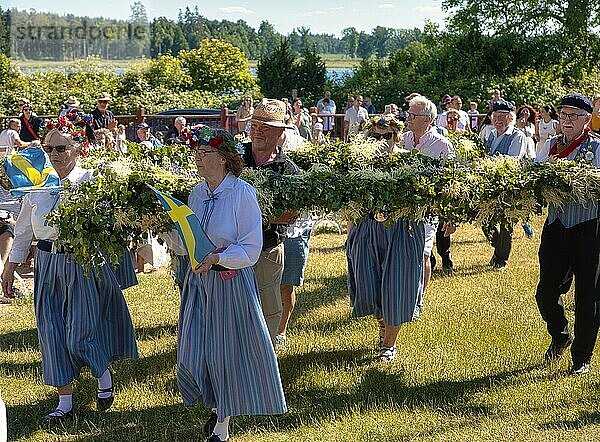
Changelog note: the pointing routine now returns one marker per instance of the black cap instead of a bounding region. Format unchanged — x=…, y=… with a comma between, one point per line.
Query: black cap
x=578, y=101
x=502, y=106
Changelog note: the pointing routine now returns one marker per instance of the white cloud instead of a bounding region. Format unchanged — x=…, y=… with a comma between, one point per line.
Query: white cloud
x=336, y=8
x=235, y=10
x=427, y=9
x=386, y=6
x=313, y=13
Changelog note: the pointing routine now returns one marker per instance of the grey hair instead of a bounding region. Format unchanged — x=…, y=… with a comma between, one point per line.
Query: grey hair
x=181, y=120
x=13, y=121
x=428, y=107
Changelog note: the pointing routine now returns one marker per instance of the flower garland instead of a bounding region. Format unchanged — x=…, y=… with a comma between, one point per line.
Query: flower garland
x=201, y=135
x=99, y=216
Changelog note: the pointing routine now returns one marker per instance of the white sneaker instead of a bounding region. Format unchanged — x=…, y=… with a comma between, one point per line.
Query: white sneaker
x=387, y=354
x=279, y=341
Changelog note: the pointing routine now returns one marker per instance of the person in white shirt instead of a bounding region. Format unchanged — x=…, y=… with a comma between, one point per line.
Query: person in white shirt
x=77, y=312
x=10, y=141
x=355, y=118
x=464, y=120
x=225, y=357
x=426, y=140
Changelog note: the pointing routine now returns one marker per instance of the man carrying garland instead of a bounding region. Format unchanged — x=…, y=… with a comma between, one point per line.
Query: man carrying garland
x=266, y=127
x=504, y=139
x=570, y=245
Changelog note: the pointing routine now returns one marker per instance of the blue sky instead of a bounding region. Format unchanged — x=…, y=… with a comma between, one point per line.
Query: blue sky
x=329, y=16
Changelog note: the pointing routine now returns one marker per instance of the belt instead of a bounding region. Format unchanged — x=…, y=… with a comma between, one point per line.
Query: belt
x=46, y=246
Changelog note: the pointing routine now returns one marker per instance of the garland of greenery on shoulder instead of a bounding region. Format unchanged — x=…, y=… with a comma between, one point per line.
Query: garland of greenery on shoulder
x=98, y=217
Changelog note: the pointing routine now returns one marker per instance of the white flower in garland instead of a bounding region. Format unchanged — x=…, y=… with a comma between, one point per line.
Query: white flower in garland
x=589, y=156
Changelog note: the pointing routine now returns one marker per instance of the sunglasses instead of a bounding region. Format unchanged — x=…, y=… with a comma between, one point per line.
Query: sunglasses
x=385, y=136
x=59, y=149
x=103, y=101
x=204, y=152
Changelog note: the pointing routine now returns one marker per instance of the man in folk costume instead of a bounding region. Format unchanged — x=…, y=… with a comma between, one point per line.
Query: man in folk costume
x=570, y=245
x=504, y=139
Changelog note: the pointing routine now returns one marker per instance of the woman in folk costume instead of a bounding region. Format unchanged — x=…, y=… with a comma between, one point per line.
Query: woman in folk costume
x=385, y=264
x=82, y=318
x=224, y=353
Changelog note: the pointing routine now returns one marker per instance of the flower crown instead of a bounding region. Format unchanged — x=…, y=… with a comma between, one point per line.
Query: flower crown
x=201, y=135
x=385, y=121
x=71, y=125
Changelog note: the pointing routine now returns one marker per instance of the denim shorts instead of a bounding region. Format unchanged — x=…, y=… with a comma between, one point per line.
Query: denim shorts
x=295, y=258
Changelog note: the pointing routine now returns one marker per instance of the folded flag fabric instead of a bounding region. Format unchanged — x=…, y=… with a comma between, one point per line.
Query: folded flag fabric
x=195, y=239
x=30, y=169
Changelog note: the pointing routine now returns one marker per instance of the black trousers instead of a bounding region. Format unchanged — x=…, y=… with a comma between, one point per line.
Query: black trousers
x=501, y=239
x=442, y=245
x=567, y=254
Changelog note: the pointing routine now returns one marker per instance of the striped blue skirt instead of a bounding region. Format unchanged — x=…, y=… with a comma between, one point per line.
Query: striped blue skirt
x=181, y=265
x=81, y=320
x=385, y=270
x=124, y=270
x=224, y=353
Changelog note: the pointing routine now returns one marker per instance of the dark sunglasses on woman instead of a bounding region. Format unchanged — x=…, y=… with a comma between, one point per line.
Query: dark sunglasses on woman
x=385, y=136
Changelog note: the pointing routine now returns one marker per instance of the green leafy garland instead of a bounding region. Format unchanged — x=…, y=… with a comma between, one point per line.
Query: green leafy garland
x=98, y=217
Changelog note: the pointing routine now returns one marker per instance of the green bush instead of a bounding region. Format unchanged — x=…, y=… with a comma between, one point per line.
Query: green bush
x=218, y=67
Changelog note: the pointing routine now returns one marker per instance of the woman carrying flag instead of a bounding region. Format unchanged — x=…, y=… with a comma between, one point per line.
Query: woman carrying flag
x=82, y=318
x=224, y=353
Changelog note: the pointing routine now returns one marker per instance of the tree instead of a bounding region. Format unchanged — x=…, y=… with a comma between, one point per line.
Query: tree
x=311, y=75
x=350, y=41
x=218, y=67
x=276, y=72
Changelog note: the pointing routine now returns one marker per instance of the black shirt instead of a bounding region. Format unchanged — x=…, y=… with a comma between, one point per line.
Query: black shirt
x=273, y=234
x=173, y=137
x=25, y=134
x=102, y=120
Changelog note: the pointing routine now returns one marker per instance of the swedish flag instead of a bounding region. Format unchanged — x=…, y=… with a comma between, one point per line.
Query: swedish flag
x=195, y=239
x=30, y=169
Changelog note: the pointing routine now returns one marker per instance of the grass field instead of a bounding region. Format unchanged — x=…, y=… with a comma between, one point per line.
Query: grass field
x=470, y=369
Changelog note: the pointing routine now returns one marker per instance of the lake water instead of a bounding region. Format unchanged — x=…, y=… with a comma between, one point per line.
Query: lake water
x=331, y=72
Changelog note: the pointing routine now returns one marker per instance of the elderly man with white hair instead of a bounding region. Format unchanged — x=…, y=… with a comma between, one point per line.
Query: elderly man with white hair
x=426, y=140
x=504, y=139
x=570, y=245
x=174, y=134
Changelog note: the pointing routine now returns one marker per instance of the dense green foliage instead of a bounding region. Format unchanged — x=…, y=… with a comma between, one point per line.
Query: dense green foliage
x=164, y=36
x=200, y=78
x=471, y=63
x=281, y=71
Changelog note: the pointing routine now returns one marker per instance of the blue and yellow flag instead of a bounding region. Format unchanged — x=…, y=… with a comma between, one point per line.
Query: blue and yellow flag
x=30, y=169
x=195, y=239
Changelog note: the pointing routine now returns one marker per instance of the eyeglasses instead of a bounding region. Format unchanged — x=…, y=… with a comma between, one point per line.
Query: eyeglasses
x=203, y=152
x=385, y=136
x=412, y=116
x=453, y=119
x=59, y=149
x=570, y=117
x=102, y=101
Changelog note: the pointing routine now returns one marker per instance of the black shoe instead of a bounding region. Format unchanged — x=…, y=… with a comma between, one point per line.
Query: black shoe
x=215, y=438
x=104, y=404
x=209, y=426
x=580, y=368
x=58, y=416
x=556, y=350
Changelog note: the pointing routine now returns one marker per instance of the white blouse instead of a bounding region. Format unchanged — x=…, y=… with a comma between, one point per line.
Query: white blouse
x=31, y=222
x=231, y=218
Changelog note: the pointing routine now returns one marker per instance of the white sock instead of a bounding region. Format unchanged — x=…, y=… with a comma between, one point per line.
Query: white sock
x=65, y=404
x=214, y=410
x=222, y=429
x=105, y=382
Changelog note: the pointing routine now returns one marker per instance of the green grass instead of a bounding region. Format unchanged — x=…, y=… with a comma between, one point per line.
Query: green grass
x=468, y=370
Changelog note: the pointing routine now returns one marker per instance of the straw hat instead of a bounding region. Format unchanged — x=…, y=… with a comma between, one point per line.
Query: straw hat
x=270, y=112
x=103, y=96
x=72, y=102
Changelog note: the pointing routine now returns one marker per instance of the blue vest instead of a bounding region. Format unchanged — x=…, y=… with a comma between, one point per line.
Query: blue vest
x=503, y=146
